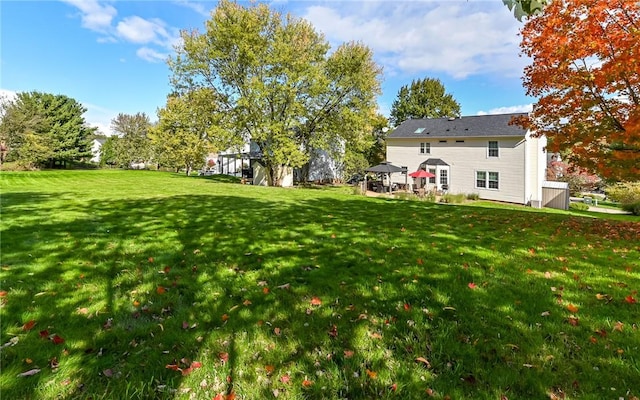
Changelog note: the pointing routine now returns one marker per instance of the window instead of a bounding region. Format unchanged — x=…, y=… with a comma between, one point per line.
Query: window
x=490, y=180
x=459, y=141
x=493, y=180
x=481, y=179
x=443, y=177
x=493, y=149
x=425, y=148
x=433, y=178
x=419, y=130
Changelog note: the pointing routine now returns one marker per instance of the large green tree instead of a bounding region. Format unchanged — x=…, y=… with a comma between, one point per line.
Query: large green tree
x=277, y=83
x=525, y=8
x=43, y=129
x=423, y=98
x=133, y=145
x=189, y=127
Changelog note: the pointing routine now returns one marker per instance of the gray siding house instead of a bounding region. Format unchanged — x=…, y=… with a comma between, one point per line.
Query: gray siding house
x=477, y=154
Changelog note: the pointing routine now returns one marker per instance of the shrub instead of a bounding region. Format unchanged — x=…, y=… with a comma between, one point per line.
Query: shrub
x=473, y=196
x=453, y=198
x=627, y=194
x=633, y=208
x=578, y=206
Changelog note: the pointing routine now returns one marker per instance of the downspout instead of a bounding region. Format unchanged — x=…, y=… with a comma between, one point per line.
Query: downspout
x=527, y=171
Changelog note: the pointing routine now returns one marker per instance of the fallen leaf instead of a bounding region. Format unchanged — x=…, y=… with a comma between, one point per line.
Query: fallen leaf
x=333, y=332
x=394, y=387
x=630, y=299
x=173, y=367
x=3, y=293
x=424, y=361
x=166, y=269
x=315, y=301
x=547, y=275
x=372, y=374
x=618, y=326
x=407, y=306
x=419, y=261
x=307, y=383
x=161, y=290
x=376, y=335
x=225, y=317
x=185, y=325
x=348, y=353
x=286, y=286
x=224, y=357
x=277, y=331
x=44, y=334
x=545, y=314
x=247, y=302
x=265, y=290
x=572, y=308
x=573, y=321
x=29, y=372
x=196, y=364
x=136, y=303
x=285, y=379
x=108, y=372
x=219, y=396
x=269, y=369
x=150, y=259
x=472, y=285
x=29, y=325
x=57, y=339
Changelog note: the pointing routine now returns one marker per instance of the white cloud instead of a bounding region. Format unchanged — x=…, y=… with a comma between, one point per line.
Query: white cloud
x=457, y=38
x=99, y=117
x=195, y=6
x=8, y=94
x=151, y=55
x=508, y=109
x=139, y=30
x=95, y=16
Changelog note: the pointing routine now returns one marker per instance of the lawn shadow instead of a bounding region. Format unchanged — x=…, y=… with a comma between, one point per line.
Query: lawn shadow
x=140, y=289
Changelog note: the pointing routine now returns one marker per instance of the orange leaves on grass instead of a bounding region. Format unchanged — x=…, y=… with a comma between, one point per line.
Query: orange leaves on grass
x=333, y=332
x=3, y=293
x=222, y=396
x=348, y=353
x=160, y=290
x=573, y=321
x=29, y=325
x=630, y=299
x=316, y=301
x=618, y=326
x=423, y=361
x=307, y=383
x=224, y=317
x=372, y=374
x=265, y=290
x=224, y=357
x=472, y=285
x=572, y=308
x=269, y=369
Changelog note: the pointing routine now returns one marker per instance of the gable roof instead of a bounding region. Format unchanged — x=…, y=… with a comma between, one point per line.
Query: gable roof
x=473, y=126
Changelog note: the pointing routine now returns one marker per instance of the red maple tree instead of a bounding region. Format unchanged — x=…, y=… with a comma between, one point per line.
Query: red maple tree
x=585, y=73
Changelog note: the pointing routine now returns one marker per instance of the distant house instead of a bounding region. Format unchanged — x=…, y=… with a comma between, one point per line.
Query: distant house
x=245, y=162
x=96, y=147
x=476, y=154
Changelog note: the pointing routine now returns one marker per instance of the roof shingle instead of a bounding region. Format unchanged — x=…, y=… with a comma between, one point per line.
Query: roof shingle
x=472, y=126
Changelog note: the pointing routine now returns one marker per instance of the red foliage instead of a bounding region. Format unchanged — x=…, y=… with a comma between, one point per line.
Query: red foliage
x=586, y=76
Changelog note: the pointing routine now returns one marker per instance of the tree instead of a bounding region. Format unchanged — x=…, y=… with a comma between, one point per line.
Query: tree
x=188, y=129
x=586, y=76
x=108, y=151
x=424, y=98
x=274, y=80
x=134, y=145
x=525, y=8
x=42, y=129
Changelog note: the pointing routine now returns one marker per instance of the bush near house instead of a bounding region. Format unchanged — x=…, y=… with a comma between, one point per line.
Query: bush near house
x=627, y=194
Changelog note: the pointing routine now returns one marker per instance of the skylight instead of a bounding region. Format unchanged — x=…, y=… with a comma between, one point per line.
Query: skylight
x=419, y=130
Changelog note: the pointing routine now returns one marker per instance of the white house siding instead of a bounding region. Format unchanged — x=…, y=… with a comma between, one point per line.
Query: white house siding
x=464, y=160
x=536, y=159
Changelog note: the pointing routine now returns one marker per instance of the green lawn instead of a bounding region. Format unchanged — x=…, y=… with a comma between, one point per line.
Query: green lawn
x=153, y=285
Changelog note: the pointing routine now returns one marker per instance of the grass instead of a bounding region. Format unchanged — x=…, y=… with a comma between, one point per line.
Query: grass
x=153, y=285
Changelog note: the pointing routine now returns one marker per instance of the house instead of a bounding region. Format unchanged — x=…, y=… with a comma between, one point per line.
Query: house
x=245, y=162
x=96, y=147
x=481, y=154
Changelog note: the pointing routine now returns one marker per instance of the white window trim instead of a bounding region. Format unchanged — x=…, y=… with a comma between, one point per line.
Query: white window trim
x=426, y=146
x=486, y=180
x=489, y=149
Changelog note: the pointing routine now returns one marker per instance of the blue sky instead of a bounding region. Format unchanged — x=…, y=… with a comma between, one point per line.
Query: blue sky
x=110, y=55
